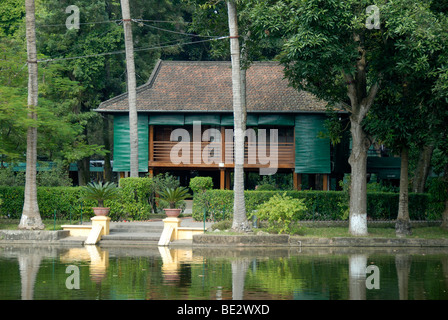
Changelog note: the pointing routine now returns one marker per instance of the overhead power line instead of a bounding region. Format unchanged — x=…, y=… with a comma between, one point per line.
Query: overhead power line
x=135, y=50
x=140, y=22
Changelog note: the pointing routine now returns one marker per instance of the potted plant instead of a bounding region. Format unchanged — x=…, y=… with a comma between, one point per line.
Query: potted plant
x=174, y=197
x=100, y=192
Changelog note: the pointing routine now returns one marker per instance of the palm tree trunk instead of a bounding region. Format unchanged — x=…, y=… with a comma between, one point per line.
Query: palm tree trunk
x=132, y=94
x=240, y=222
x=30, y=215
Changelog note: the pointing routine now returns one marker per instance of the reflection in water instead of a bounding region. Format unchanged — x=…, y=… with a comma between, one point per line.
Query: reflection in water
x=357, y=276
x=239, y=270
x=219, y=273
x=29, y=266
x=98, y=258
x=403, y=265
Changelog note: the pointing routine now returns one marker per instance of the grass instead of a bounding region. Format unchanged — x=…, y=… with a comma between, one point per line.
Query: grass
x=12, y=224
x=422, y=232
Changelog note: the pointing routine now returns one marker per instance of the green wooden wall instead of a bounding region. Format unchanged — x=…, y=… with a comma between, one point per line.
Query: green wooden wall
x=312, y=151
x=122, y=155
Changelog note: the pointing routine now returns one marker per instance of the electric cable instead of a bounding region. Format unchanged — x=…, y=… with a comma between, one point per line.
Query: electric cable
x=135, y=50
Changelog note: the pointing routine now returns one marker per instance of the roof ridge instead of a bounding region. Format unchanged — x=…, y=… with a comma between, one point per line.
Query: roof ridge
x=141, y=88
x=216, y=62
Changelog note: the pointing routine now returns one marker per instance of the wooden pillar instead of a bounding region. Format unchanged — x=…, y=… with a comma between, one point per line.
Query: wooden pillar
x=297, y=180
x=151, y=143
x=223, y=145
x=227, y=179
x=222, y=178
x=325, y=182
x=151, y=172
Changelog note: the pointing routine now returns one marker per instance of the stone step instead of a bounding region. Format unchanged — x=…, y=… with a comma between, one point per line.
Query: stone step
x=73, y=241
x=127, y=243
x=132, y=236
x=124, y=228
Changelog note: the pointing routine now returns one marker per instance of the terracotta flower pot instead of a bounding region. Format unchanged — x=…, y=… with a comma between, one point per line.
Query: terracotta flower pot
x=101, y=211
x=172, y=213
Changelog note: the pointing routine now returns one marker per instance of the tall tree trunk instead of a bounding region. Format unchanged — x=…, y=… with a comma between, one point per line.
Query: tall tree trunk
x=444, y=224
x=358, y=183
x=107, y=145
x=361, y=100
x=403, y=223
x=132, y=94
x=30, y=215
x=422, y=169
x=83, y=171
x=240, y=222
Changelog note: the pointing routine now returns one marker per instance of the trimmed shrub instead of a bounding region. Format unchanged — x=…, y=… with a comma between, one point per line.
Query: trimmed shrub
x=65, y=200
x=320, y=205
x=201, y=184
x=136, y=198
x=130, y=203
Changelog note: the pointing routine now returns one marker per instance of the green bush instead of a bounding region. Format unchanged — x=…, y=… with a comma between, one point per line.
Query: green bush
x=320, y=205
x=55, y=177
x=70, y=202
x=136, y=198
x=438, y=194
x=65, y=200
x=200, y=184
x=281, y=211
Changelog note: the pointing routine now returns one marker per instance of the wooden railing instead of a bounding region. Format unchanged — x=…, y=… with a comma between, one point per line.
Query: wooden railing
x=209, y=153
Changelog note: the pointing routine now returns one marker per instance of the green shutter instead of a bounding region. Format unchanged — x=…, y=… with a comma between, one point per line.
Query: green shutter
x=275, y=120
x=205, y=119
x=227, y=120
x=166, y=119
x=122, y=144
x=312, y=154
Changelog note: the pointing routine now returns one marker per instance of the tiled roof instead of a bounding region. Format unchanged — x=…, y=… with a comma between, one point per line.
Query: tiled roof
x=207, y=86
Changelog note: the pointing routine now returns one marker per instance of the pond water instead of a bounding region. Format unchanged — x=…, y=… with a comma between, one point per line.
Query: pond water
x=158, y=273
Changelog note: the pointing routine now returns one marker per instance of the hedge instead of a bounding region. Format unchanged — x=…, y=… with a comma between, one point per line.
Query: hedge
x=132, y=201
x=321, y=205
x=65, y=200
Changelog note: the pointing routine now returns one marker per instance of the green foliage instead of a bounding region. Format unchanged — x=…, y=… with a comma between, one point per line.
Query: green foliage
x=54, y=177
x=10, y=178
x=267, y=183
x=320, y=205
x=67, y=201
x=174, y=197
x=162, y=181
x=200, y=184
x=438, y=193
x=281, y=211
x=100, y=192
x=266, y=187
x=136, y=196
